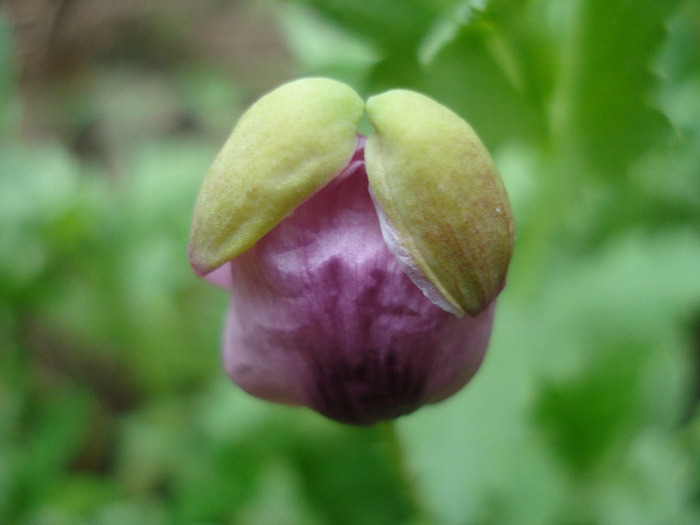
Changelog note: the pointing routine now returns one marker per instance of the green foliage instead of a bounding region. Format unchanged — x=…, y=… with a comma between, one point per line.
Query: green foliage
x=113, y=406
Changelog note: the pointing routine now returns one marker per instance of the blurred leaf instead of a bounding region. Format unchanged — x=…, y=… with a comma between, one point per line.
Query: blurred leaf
x=322, y=48
x=608, y=78
x=61, y=422
x=146, y=512
x=446, y=28
x=383, y=22
x=279, y=500
x=592, y=352
x=586, y=414
x=79, y=494
x=40, y=195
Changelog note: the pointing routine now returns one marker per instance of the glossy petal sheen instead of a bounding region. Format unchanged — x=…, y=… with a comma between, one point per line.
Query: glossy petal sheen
x=323, y=316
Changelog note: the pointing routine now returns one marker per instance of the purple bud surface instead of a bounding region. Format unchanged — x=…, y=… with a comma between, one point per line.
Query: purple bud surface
x=323, y=315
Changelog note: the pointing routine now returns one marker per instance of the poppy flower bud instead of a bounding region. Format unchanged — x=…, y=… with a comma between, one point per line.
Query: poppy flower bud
x=363, y=272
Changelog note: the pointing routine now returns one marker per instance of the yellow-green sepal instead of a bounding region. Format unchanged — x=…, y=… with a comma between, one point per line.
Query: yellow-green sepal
x=442, y=198
x=286, y=147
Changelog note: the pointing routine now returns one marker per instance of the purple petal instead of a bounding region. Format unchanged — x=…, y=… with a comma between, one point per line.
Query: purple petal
x=323, y=316
x=221, y=277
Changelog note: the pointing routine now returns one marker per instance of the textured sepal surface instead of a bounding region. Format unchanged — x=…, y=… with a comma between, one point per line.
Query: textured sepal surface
x=284, y=149
x=447, y=217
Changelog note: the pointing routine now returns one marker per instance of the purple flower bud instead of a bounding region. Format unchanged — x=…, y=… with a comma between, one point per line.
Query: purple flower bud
x=324, y=314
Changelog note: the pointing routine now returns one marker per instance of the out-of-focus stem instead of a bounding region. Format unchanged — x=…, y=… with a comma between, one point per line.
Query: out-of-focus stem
x=402, y=472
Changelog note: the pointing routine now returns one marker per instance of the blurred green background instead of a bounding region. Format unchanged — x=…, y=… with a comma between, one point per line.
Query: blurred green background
x=113, y=406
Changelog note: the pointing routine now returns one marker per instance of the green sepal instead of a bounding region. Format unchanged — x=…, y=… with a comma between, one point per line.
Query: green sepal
x=441, y=197
x=285, y=148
